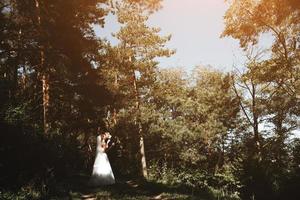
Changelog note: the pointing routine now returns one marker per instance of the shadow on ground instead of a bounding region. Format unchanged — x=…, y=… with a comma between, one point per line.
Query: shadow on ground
x=128, y=190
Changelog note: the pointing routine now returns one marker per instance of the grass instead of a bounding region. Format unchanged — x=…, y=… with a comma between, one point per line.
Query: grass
x=76, y=188
x=130, y=190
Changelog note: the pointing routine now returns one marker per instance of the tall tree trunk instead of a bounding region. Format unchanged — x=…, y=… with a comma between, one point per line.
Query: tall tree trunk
x=254, y=120
x=43, y=75
x=24, y=77
x=140, y=130
x=114, y=116
x=46, y=96
x=142, y=152
x=256, y=141
x=114, y=111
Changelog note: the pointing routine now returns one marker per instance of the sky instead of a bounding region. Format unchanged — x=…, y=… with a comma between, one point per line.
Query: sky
x=195, y=26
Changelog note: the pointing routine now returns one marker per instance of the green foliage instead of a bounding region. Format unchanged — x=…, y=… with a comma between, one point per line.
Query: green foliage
x=223, y=185
x=23, y=194
x=192, y=121
x=272, y=84
x=32, y=163
x=15, y=115
x=202, y=133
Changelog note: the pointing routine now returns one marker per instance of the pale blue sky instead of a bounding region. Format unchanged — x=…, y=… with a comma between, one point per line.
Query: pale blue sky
x=195, y=26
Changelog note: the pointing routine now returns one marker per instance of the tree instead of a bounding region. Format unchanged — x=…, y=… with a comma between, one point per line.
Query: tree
x=134, y=72
x=280, y=19
x=278, y=74
x=77, y=94
x=274, y=79
x=219, y=110
x=195, y=118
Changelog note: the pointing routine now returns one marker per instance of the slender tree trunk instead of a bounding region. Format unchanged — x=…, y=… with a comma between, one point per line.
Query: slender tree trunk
x=254, y=121
x=114, y=116
x=114, y=111
x=46, y=97
x=257, y=144
x=142, y=152
x=20, y=61
x=140, y=130
x=24, y=77
x=43, y=76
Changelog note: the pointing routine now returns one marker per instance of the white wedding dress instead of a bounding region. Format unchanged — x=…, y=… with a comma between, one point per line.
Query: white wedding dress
x=102, y=172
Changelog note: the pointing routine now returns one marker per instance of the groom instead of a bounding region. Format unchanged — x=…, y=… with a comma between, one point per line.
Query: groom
x=108, y=138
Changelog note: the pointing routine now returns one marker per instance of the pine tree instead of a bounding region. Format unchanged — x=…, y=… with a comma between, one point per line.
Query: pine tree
x=138, y=47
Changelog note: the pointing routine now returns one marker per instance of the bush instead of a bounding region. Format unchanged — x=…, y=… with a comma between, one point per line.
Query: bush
x=216, y=186
x=31, y=161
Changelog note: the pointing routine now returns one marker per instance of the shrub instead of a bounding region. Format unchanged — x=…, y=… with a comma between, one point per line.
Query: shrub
x=222, y=185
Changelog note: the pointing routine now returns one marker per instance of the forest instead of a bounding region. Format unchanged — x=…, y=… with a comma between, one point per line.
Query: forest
x=208, y=135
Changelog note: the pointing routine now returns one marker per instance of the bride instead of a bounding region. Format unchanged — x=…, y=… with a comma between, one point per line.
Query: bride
x=102, y=172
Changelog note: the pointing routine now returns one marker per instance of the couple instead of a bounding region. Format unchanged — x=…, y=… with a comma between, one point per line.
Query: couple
x=102, y=172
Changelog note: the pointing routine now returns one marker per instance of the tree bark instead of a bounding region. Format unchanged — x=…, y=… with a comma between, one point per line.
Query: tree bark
x=257, y=144
x=140, y=129
x=114, y=111
x=44, y=77
x=46, y=97
x=142, y=153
